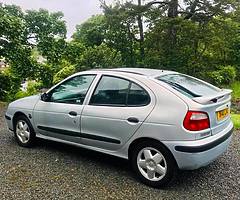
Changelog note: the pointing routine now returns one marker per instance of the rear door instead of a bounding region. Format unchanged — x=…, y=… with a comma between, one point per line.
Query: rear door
x=216, y=102
x=116, y=109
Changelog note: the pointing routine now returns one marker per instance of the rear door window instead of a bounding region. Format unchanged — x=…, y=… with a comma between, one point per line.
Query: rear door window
x=115, y=91
x=189, y=86
x=110, y=91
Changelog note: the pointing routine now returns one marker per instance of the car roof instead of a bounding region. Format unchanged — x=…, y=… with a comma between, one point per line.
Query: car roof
x=139, y=71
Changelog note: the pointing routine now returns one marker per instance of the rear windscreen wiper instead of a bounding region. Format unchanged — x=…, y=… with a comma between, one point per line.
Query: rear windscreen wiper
x=178, y=86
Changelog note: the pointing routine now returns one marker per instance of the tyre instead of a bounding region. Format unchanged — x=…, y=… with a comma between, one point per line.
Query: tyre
x=153, y=164
x=24, y=132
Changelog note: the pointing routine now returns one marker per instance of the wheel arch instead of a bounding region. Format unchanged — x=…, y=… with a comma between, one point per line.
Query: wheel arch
x=15, y=116
x=147, y=139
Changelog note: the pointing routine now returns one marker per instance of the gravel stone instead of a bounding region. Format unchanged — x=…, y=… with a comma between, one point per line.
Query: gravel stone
x=52, y=170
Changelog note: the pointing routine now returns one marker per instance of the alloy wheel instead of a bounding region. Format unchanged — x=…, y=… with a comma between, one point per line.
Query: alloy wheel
x=152, y=164
x=23, y=131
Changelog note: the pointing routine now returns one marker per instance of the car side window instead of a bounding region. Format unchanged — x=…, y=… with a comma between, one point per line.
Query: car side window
x=73, y=90
x=137, y=96
x=114, y=91
x=110, y=91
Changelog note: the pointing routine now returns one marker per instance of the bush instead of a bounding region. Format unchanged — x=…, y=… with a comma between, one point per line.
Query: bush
x=214, y=77
x=4, y=85
x=9, y=85
x=225, y=76
x=32, y=89
x=229, y=74
x=63, y=73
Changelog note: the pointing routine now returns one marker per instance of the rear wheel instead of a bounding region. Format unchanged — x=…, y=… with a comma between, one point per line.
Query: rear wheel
x=153, y=163
x=24, y=132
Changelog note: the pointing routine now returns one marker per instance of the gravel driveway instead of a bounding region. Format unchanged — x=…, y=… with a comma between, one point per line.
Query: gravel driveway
x=54, y=171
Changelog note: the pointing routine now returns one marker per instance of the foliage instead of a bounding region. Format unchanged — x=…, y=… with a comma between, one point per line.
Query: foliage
x=224, y=76
x=120, y=33
x=47, y=31
x=200, y=38
x=236, y=90
x=9, y=85
x=228, y=73
x=73, y=52
x=236, y=120
x=5, y=85
x=92, y=32
x=99, y=57
x=32, y=89
x=63, y=73
x=21, y=32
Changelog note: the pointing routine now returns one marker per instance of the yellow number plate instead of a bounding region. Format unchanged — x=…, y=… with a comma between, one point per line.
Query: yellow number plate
x=222, y=114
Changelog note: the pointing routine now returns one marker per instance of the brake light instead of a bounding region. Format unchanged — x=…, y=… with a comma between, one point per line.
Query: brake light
x=196, y=121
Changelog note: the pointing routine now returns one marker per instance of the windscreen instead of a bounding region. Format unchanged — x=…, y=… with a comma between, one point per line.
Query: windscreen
x=188, y=86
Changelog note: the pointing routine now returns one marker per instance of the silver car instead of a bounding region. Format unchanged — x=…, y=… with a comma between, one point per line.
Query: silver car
x=159, y=120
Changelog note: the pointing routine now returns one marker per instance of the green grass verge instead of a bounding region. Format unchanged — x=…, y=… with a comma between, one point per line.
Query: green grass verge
x=236, y=89
x=236, y=120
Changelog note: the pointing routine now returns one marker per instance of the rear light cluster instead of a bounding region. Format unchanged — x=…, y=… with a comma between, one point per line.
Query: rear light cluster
x=196, y=121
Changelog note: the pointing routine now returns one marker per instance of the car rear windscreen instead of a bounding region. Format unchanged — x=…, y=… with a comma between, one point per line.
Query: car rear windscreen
x=188, y=86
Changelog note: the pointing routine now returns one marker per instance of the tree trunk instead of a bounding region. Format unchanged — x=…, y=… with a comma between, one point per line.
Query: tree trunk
x=173, y=8
x=173, y=13
x=141, y=33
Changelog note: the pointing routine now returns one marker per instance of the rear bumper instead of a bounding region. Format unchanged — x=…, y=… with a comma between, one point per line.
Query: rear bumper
x=195, y=154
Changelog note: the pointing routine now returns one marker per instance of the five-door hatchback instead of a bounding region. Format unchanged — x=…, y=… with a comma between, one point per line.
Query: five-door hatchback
x=159, y=120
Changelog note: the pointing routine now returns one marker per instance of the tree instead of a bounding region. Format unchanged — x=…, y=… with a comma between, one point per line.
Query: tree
x=99, y=57
x=154, y=11
x=13, y=45
x=22, y=32
x=92, y=32
x=47, y=32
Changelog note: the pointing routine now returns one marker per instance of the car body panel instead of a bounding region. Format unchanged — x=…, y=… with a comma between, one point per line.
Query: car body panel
x=195, y=160
x=116, y=126
x=49, y=117
x=24, y=106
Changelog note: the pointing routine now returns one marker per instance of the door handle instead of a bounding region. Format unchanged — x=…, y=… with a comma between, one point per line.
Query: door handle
x=72, y=113
x=133, y=120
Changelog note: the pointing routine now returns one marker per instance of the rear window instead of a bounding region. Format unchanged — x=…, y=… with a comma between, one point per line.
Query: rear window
x=188, y=86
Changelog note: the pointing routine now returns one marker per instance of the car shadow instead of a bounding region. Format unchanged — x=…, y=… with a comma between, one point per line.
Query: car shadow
x=183, y=179
x=79, y=153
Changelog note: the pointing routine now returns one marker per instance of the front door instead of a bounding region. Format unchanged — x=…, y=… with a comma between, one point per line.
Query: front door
x=116, y=110
x=59, y=116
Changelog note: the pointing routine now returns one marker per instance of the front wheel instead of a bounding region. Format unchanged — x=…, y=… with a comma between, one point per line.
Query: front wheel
x=153, y=164
x=24, y=132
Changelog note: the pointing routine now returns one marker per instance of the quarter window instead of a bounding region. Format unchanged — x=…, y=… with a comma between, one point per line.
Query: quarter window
x=137, y=96
x=73, y=90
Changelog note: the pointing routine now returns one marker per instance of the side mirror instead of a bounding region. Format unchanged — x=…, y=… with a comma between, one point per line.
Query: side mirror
x=44, y=97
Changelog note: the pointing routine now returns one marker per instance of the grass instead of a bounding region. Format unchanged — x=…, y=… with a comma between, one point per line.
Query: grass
x=236, y=120
x=236, y=90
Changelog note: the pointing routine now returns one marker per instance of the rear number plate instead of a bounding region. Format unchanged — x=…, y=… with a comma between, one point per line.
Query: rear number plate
x=222, y=114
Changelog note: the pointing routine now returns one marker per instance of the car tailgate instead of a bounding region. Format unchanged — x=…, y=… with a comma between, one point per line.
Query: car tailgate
x=218, y=108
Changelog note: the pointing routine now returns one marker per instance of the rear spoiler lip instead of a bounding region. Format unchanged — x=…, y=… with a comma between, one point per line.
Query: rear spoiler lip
x=212, y=98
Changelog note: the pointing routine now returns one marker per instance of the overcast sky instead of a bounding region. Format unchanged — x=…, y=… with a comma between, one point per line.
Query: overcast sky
x=75, y=11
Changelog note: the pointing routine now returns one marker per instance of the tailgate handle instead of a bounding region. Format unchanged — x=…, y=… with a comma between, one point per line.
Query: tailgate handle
x=133, y=120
